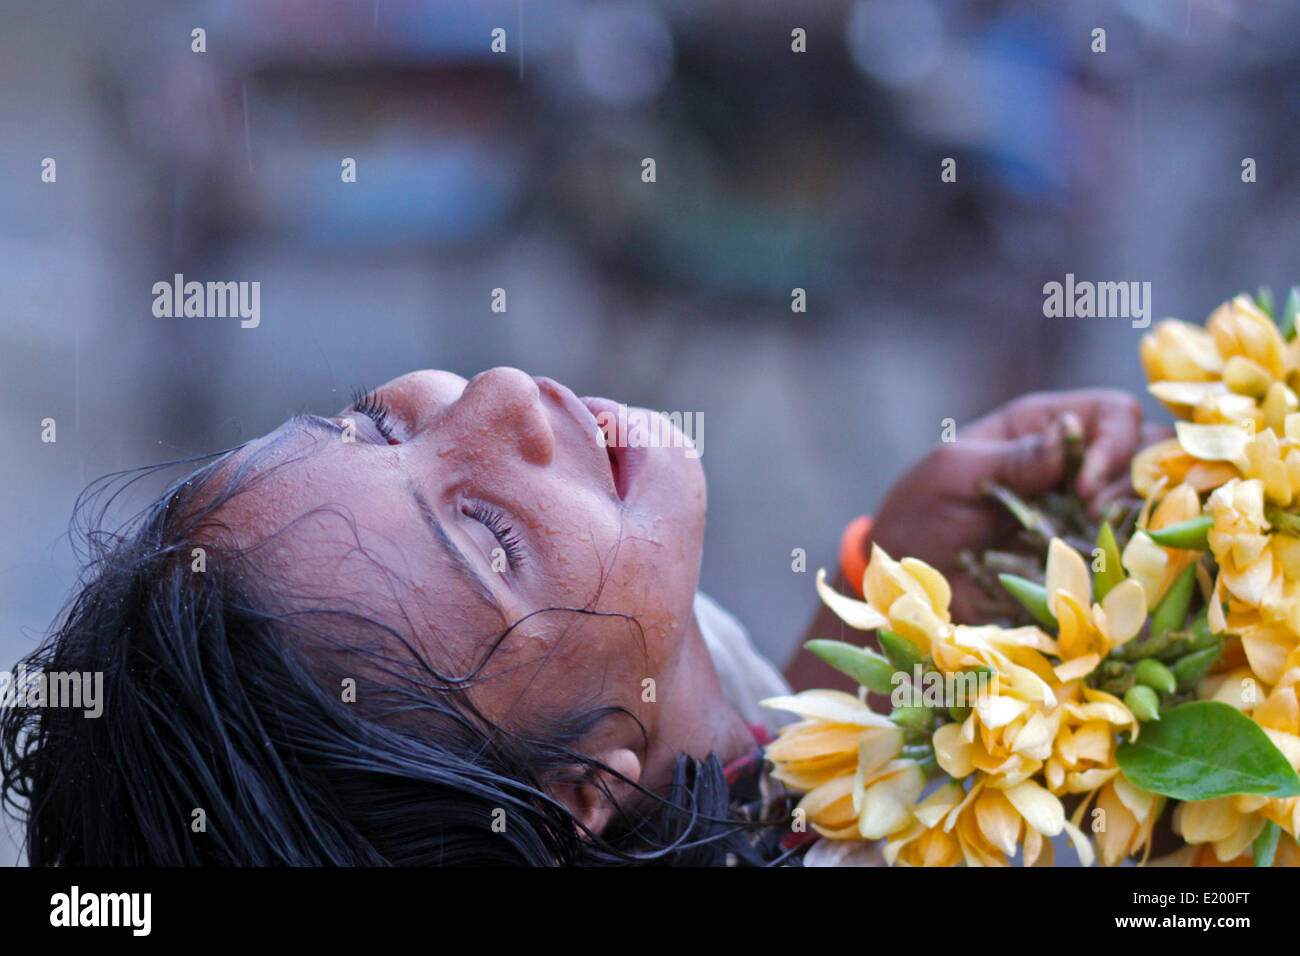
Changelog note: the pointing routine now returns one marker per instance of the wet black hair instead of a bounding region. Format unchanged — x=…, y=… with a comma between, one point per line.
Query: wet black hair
x=224, y=738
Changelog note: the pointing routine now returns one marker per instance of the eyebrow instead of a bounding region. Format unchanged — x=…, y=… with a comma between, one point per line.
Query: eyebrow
x=318, y=422
x=449, y=547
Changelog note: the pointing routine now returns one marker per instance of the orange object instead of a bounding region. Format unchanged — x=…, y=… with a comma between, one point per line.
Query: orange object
x=854, y=551
x=1234, y=655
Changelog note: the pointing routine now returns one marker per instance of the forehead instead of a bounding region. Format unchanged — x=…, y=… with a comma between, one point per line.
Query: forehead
x=298, y=470
x=332, y=522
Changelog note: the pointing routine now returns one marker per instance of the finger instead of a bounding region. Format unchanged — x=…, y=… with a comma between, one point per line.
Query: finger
x=1028, y=465
x=1114, y=437
x=1112, y=429
x=1036, y=411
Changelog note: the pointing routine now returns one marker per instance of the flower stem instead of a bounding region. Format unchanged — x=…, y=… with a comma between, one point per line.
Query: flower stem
x=1284, y=521
x=1029, y=517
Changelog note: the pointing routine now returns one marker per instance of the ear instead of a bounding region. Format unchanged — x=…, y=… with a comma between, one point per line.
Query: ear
x=586, y=796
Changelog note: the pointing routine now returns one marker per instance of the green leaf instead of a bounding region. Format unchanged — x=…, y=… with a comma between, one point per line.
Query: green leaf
x=1206, y=749
x=1192, y=534
x=1264, y=299
x=1112, y=572
x=1287, y=321
x=1266, y=844
x=866, y=667
x=1032, y=595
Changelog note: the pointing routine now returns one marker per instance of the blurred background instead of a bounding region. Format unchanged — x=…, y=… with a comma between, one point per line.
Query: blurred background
x=522, y=170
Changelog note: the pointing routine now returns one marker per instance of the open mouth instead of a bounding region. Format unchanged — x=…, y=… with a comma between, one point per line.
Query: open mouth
x=620, y=483
x=622, y=459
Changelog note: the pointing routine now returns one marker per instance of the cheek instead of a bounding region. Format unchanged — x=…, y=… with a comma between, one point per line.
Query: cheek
x=453, y=636
x=583, y=561
x=565, y=661
x=642, y=562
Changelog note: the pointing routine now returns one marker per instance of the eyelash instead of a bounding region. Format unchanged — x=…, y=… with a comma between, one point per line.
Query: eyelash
x=496, y=522
x=368, y=403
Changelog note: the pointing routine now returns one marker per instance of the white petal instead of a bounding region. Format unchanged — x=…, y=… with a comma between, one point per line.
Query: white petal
x=858, y=614
x=1068, y=572
x=1040, y=808
x=1213, y=442
x=833, y=705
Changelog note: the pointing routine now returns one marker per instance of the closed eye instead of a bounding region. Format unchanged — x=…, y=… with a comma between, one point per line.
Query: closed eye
x=368, y=403
x=496, y=521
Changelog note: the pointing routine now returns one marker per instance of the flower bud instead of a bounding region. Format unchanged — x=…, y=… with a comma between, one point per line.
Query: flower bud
x=1155, y=675
x=1192, y=534
x=1189, y=669
x=903, y=654
x=1112, y=570
x=908, y=717
x=1144, y=703
x=866, y=667
x=1171, y=612
x=1032, y=595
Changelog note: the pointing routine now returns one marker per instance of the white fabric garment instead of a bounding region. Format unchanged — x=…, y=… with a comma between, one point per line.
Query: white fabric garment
x=746, y=675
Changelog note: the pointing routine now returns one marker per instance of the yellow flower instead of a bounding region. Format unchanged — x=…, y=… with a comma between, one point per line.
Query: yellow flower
x=825, y=744
x=1230, y=824
x=1128, y=817
x=1275, y=461
x=883, y=797
x=1088, y=631
x=1155, y=567
x=909, y=597
x=1288, y=854
x=1010, y=729
x=846, y=759
x=1237, y=369
x=1179, y=352
x=1242, y=331
x=1279, y=716
x=1270, y=455
x=1250, y=579
x=1259, y=563
x=926, y=842
x=1167, y=462
x=1039, y=717
x=986, y=825
x=1088, y=722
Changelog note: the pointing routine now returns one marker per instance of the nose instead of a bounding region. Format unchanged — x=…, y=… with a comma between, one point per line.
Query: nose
x=506, y=406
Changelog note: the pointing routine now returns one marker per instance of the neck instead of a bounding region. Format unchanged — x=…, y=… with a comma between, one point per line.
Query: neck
x=701, y=721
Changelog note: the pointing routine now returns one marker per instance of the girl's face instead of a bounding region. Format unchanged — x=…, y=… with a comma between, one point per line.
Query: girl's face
x=454, y=509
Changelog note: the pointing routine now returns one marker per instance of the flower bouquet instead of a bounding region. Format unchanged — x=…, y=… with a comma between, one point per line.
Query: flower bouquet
x=1147, y=664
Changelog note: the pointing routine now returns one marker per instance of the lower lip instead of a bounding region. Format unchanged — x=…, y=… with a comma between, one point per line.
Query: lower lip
x=625, y=461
